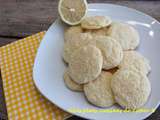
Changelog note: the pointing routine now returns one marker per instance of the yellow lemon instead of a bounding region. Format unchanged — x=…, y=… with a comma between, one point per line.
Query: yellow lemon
x=72, y=12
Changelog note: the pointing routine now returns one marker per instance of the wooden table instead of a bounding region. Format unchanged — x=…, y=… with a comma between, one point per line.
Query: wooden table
x=20, y=18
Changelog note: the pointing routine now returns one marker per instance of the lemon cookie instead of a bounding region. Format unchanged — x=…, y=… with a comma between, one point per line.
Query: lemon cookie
x=131, y=89
x=71, y=31
x=133, y=59
x=70, y=83
x=111, y=51
x=113, y=70
x=98, y=92
x=75, y=42
x=85, y=64
x=97, y=32
x=125, y=34
x=95, y=22
x=102, y=31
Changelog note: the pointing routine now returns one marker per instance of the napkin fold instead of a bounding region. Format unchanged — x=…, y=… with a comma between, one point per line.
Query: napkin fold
x=23, y=100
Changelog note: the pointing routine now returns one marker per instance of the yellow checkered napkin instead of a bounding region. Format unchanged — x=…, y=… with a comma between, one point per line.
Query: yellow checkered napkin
x=22, y=98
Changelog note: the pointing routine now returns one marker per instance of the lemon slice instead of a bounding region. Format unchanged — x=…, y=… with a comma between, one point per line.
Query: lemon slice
x=72, y=12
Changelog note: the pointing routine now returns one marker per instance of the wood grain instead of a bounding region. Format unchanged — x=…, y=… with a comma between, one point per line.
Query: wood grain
x=7, y=40
x=25, y=17
x=3, y=110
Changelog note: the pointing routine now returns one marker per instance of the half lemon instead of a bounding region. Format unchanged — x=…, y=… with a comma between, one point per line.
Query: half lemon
x=72, y=12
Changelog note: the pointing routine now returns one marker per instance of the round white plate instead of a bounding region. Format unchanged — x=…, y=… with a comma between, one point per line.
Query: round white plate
x=49, y=67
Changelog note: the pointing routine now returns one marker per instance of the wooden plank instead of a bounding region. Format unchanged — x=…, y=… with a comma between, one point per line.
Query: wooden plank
x=3, y=110
x=25, y=17
x=6, y=40
x=155, y=115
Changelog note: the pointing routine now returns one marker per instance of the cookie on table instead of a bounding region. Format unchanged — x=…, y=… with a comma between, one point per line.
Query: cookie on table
x=85, y=64
x=133, y=59
x=73, y=43
x=98, y=92
x=131, y=89
x=111, y=51
x=125, y=34
x=70, y=83
x=95, y=22
x=71, y=31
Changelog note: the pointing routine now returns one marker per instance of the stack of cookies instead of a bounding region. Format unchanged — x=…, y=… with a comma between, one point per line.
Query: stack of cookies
x=102, y=63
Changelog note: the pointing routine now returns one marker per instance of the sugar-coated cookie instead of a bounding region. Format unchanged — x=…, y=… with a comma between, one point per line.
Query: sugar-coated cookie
x=125, y=34
x=98, y=92
x=85, y=64
x=97, y=32
x=74, y=43
x=70, y=83
x=95, y=22
x=131, y=89
x=133, y=59
x=111, y=50
x=71, y=31
x=113, y=70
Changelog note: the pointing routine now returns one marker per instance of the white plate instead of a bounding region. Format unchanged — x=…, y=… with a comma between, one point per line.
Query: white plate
x=49, y=67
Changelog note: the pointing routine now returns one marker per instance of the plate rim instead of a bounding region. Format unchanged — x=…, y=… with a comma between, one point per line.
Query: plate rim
x=36, y=57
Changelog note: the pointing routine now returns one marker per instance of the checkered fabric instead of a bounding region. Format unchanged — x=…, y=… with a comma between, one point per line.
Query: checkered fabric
x=23, y=100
